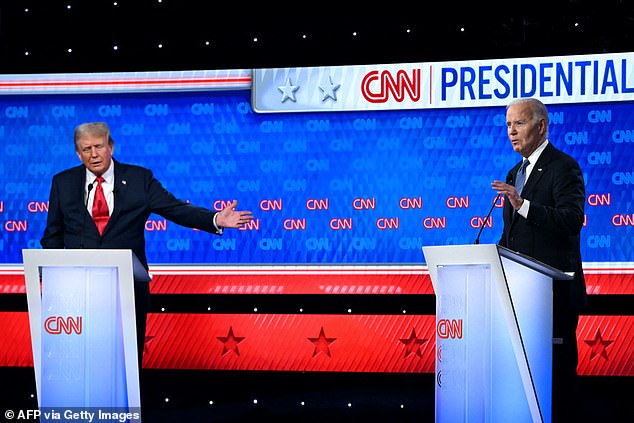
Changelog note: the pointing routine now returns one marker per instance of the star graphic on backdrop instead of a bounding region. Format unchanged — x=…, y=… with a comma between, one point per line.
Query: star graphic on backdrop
x=148, y=340
x=598, y=345
x=412, y=344
x=230, y=342
x=329, y=90
x=322, y=343
x=288, y=90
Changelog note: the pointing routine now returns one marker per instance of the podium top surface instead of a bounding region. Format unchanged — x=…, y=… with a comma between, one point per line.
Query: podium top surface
x=482, y=253
x=534, y=264
x=86, y=257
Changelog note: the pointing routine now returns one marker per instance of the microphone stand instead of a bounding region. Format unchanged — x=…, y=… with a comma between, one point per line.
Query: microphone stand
x=83, y=226
x=477, y=240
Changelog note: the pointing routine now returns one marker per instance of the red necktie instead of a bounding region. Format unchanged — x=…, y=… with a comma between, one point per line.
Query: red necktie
x=100, y=213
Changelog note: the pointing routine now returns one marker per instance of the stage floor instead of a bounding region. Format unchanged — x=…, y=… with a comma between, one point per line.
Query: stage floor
x=229, y=396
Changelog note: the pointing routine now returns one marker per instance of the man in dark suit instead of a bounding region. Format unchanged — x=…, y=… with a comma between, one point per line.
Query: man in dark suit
x=544, y=220
x=130, y=194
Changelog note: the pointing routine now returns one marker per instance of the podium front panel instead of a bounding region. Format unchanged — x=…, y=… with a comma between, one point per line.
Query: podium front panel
x=463, y=365
x=82, y=339
x=82, y=321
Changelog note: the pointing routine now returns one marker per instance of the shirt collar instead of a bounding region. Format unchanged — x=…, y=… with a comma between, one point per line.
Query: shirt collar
x=108, y=175
x=535, y=154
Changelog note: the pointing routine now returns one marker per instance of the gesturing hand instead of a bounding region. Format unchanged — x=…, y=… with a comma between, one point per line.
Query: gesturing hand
x=510, y=192
x=229, y=217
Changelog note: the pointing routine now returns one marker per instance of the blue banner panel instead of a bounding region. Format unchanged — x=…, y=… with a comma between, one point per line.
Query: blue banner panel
x=324, y=187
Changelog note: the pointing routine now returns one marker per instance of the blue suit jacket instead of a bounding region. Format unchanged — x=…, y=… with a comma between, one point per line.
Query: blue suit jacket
x=137, y=194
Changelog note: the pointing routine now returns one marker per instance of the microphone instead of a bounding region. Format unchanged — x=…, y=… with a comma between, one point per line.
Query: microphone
x=495, y=200
x=83, y=226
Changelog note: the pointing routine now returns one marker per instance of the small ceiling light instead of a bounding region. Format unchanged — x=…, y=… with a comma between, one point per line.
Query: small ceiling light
x=304, y=36
x=255, y=39
x=26, y=10
x=207, y=43
x=462, y=29
x=408, y=30
x=26, y=53
x=115, y=47
x=354, y=34
x=68, y=7
x=160, y=45
x=70, y=50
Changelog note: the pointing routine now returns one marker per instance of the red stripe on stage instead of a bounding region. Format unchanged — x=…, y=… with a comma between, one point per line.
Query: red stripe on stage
x=360, y=283
x=606, y=345
x=15, y=340
x=291, y=342
x=132, y=82
x=285, y=280
x=609, y=283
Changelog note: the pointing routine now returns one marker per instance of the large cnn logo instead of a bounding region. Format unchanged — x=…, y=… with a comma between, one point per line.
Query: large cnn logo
x=377, y=87
x=55, y=325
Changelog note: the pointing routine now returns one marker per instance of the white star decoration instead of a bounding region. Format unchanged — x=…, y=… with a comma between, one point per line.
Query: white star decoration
x=288, y=90
x=329, y=90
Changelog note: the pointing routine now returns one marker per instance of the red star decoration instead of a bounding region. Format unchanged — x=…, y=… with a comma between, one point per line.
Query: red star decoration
x=412, y=344
x=322, y=343
x=230, y=342
x=598, y=345
x=148, y=339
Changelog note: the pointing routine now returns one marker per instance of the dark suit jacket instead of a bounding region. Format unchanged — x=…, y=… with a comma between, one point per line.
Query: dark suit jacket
x=551, y=231
x=137, y=195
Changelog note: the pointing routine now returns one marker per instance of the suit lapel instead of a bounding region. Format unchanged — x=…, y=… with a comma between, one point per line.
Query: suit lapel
x=119, y=189
x=80, y=189
x=539, y=169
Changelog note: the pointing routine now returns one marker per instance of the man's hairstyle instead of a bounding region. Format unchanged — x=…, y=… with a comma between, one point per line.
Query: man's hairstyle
x=94, y=129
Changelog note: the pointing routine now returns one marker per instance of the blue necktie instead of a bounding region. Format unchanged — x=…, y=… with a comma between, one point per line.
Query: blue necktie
x=521, y=176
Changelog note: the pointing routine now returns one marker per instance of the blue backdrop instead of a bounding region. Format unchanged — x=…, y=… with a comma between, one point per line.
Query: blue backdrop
x=327, y=187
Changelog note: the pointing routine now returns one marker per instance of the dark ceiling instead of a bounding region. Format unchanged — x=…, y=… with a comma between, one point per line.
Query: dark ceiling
x=50, y=36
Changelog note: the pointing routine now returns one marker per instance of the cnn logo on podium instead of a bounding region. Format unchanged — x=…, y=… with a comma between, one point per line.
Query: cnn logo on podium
x=56, y=325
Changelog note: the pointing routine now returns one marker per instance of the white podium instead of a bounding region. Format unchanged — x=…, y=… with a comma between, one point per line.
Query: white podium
x=493, y=334
x=83, y=332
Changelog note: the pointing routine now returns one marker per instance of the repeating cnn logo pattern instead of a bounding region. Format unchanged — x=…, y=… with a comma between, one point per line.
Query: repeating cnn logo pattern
x=344, y=188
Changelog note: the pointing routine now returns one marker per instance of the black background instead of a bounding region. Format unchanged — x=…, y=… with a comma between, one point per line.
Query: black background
x=444, y=31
